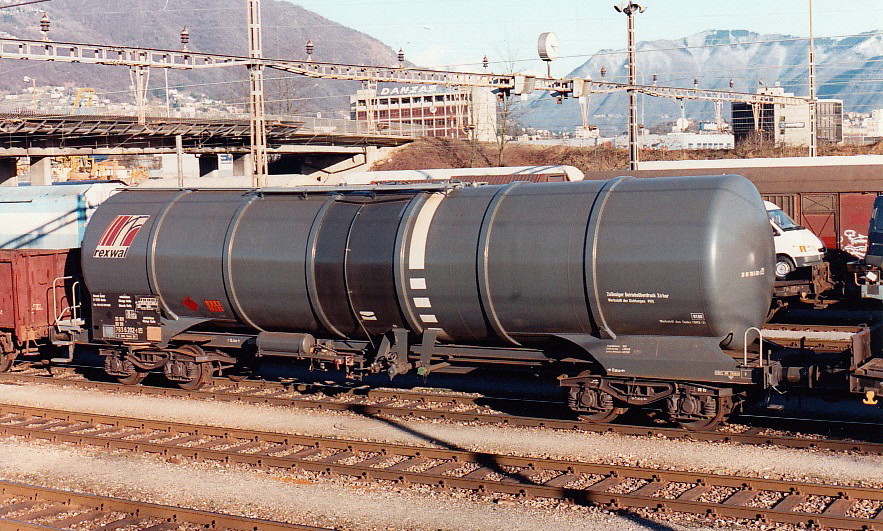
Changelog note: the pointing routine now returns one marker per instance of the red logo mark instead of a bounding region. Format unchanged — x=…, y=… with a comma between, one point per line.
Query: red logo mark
x=118, y=236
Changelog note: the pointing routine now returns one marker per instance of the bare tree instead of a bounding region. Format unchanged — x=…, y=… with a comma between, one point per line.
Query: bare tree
x=289, y=95
x=507, y=111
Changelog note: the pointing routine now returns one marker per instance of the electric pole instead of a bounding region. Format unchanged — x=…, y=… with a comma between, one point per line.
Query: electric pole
x=631, y=9
x=813, y=117
x=260, y=164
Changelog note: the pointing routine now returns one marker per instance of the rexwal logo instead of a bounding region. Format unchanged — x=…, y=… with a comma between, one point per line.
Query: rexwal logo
x=118, y=236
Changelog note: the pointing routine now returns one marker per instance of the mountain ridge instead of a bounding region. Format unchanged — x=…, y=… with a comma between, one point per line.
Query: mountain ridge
x=215, y=26
x=713, y=57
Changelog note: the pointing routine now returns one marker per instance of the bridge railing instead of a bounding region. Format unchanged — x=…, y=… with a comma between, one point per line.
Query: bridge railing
x=311, y=124
x=352, y=127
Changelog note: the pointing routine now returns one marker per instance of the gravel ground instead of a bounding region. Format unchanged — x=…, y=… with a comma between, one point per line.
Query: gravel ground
x=774, y=463
x=285, y=497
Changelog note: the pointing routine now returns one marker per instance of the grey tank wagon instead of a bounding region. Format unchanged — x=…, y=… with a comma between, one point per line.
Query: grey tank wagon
x=644, y=290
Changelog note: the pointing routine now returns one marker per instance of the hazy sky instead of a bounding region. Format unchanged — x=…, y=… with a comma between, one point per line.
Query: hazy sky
x=458, y=32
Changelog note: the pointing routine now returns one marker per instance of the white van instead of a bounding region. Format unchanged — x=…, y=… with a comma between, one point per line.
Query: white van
x=795, y=246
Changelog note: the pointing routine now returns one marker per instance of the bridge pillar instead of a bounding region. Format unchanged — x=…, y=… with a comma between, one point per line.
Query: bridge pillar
x=41, y=171
x=209, y=166
x=243, y=166
x=8, y=171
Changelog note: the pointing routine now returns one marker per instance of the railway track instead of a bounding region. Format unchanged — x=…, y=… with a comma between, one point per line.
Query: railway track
x=611, y=486
x=31, y=507
x=414, y=404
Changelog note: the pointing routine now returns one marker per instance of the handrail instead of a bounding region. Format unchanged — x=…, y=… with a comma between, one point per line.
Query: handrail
x=73, y=307
x=745, y=345
x=55, y=300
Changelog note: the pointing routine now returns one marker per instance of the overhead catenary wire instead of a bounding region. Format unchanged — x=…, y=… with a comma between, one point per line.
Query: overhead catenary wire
x=19, y=4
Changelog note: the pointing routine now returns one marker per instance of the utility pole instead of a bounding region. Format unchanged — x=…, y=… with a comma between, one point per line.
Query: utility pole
x=631, y=9
x=140, y=76
x=260, y=164
x=813, y=117
x=179, y=156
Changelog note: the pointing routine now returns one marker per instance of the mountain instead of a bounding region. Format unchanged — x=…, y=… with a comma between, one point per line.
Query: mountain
x=848, y=69
x=215, y=26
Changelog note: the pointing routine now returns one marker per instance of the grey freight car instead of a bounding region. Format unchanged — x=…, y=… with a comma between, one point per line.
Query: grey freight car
x=641, y=279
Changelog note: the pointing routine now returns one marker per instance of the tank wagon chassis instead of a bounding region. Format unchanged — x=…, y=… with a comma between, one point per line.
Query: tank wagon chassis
x=838, y=358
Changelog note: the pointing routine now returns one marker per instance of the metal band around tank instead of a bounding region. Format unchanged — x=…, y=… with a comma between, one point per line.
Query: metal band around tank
x=402, y=246
x=481, y=264
x=346, y=281
x=592, y=232
x=151, y=253
x=227, y=262
x=310, y=262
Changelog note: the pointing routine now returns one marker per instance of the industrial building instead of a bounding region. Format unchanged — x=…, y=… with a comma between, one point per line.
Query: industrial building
x=453, y=112
x=787, y=124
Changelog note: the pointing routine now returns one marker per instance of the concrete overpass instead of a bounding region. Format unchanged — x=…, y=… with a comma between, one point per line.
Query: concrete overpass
x=335, y=145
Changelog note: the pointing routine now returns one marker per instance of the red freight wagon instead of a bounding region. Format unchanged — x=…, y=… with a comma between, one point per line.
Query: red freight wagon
x=35, y=292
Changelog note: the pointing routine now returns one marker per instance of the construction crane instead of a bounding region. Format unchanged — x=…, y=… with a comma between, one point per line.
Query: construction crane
x=83, y=98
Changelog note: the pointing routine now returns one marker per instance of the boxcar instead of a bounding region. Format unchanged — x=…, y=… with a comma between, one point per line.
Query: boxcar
x=37, y=290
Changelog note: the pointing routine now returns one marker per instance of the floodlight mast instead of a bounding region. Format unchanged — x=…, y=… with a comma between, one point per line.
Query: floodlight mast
x=630, y=9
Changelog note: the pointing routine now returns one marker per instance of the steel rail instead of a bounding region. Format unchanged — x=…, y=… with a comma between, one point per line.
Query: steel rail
x=729, y=496
x=31, y=507
x=437, y=406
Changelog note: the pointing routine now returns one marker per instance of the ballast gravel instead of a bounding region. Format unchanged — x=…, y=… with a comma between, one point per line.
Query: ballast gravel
x=609, y=448
x=256, y=494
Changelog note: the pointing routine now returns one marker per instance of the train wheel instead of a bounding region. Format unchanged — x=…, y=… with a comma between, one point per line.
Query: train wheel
x=714, y=409
x=133, y=375
x=8, y=353
x=187, y=373
x=604, y=416
x=594, y=405
x=6, y=361
x=238, y=376
x=199, y=374
x=242, y=370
